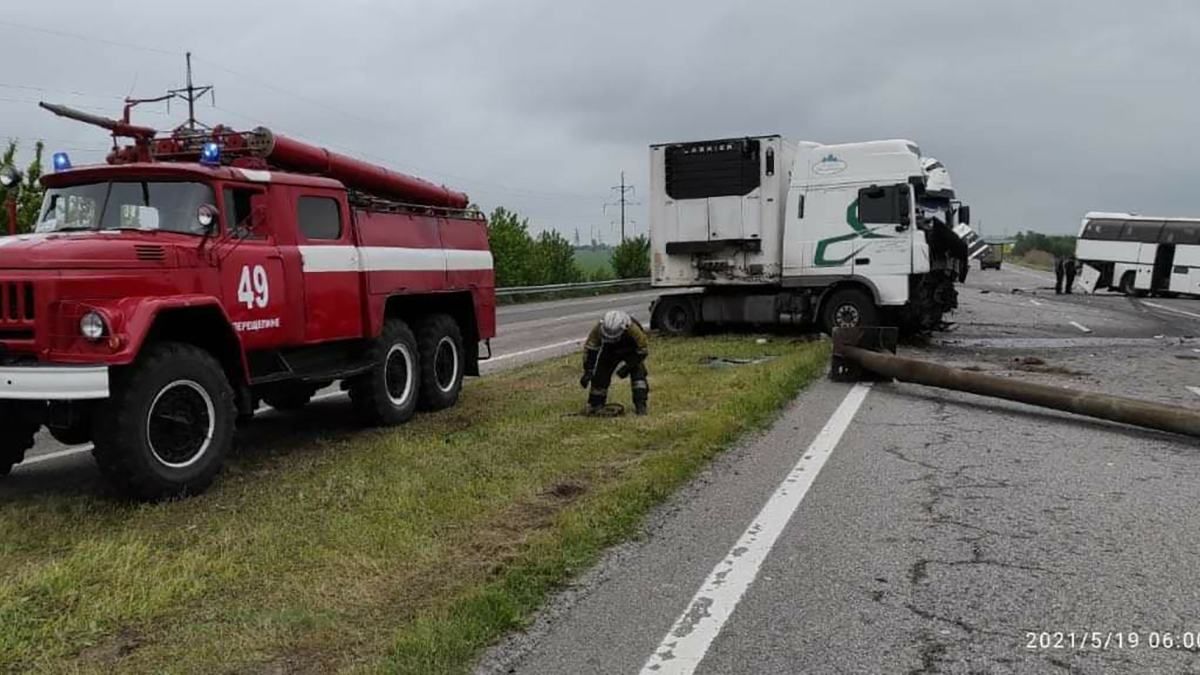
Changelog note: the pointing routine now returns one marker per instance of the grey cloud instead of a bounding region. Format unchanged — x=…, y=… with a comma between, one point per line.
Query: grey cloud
x=1041, y=110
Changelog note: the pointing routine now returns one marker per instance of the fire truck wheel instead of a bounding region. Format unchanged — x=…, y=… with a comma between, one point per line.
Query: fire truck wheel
x=848, y=308
x=15, y=439
x=290, y=399
x=440, y=344
x=387, y=394
x=168, y=424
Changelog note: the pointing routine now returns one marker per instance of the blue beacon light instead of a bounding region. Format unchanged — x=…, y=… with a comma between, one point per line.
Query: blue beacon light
x=210, y=154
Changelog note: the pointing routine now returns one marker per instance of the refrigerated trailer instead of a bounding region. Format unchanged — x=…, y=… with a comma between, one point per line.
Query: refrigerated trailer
x=1139, y=255
x=763, y=230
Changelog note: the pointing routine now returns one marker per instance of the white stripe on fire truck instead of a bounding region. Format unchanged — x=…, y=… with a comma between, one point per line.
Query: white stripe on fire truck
x=391, y=258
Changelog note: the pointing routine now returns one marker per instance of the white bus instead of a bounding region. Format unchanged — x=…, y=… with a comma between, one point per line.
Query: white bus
x=1139, y=255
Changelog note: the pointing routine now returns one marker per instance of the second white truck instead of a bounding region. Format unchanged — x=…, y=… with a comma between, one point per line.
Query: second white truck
x=762, y=230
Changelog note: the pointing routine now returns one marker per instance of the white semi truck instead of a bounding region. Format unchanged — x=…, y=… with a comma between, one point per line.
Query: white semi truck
x=762, y=230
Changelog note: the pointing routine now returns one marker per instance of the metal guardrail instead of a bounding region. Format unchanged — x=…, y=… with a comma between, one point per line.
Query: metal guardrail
x=559, y=288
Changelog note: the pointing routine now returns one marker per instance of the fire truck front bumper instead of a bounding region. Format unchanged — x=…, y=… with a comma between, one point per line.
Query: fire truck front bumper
x=53, y=383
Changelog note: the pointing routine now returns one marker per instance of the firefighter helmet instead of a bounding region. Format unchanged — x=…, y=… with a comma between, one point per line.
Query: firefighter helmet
x=614, y=325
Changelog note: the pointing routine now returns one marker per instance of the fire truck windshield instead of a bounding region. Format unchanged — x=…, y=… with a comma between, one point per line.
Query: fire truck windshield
x=126, y=205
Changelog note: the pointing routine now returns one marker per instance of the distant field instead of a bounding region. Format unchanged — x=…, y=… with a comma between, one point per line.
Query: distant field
x=590, y=261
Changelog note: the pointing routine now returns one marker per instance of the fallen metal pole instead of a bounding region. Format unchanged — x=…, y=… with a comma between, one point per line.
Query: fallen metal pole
x=1114, y=408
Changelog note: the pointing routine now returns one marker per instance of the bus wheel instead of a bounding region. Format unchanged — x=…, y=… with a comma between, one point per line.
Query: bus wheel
x=1127, y=288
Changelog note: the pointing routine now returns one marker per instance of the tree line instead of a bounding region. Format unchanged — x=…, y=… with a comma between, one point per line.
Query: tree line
x=1056, y=244
x=521, y=259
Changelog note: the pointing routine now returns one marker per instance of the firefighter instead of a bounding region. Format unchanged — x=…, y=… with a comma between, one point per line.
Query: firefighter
x=617, y=344
x=1071, y=267
x=1059, y=270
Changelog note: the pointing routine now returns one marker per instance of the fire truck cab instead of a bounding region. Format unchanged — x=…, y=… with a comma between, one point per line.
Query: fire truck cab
x=159, y=300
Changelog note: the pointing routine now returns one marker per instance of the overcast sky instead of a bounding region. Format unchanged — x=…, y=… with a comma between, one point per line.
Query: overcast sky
x=1041, y=110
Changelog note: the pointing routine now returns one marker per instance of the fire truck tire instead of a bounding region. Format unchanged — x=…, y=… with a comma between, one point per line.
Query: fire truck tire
x=15, y=439
x=440, y=344
x=848, y=307
x=290, y=399
x=168, y=424
x=387, y=394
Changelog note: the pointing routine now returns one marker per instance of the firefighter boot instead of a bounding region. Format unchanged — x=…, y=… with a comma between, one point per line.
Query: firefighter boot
x=641, y=396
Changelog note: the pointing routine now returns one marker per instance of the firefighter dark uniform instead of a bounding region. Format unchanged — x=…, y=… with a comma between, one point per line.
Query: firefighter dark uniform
x=616, y=345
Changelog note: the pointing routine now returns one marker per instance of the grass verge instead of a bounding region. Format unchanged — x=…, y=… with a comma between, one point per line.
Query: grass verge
x=403, y=550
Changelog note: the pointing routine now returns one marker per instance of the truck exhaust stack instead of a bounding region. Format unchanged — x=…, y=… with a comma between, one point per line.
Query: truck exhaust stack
x=859, y=352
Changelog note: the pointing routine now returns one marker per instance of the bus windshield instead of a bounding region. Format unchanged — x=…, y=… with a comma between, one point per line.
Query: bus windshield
x=125, y=205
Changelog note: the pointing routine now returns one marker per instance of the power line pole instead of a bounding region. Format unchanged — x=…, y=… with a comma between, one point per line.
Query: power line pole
x=622, y=190
x=191, y=93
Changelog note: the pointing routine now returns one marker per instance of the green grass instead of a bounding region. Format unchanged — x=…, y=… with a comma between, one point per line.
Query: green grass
x=403, y=550
x=590, y=261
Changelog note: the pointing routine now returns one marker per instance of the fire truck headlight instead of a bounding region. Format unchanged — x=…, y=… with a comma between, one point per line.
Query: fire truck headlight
x=92, y=326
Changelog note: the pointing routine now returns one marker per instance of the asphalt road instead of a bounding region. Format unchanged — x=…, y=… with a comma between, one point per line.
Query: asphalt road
x=903, y=529
x=527, y=332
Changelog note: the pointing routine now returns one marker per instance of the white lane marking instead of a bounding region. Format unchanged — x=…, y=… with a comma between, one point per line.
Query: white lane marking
x=1194, y=390
x=333, y=394
x=1035, y=302
x=1155, y=305
x=1081, y=327
x=535, y=350
x=74, y=450
x=685, y=645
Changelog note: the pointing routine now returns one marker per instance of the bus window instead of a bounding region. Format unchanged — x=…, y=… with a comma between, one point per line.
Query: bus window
x=1141, y=230
x=1181, y=233
x=1103, y=229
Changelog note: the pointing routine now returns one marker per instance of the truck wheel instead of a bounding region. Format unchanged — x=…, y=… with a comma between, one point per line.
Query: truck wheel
x=290, y=399
x=848, y=308
x=168, y=424
x=676, y=316
x=387, y=394
x=439, y=342
x=15, y=439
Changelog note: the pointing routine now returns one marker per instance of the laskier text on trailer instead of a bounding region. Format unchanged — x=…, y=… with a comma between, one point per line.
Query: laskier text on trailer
x=164, y=294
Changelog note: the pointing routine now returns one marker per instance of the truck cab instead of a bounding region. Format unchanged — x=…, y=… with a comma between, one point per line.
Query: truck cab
x=157, y=302
x=844, y=234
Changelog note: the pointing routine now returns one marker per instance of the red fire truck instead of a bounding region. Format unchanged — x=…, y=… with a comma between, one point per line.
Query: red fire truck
x=164, y=294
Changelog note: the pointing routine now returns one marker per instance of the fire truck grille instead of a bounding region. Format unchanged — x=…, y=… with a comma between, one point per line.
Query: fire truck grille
x=16, y=303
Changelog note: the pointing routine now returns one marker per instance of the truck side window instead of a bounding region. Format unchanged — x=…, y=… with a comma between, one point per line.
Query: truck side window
x=237, y=213
x=319, y=218
x=879, y=205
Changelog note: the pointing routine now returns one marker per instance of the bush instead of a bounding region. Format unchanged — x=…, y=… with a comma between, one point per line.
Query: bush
x=631, y=258
x=521, y=260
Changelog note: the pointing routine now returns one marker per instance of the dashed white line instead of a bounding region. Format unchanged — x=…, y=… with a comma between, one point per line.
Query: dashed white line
x=1081, y=327
x=1155, y=305
x=1035, y=302
x=535, y=350
x=1194, y=390
x=685, y=645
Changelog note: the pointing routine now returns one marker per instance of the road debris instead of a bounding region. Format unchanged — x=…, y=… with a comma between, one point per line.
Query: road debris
x=726, y=362
x=859, y=352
